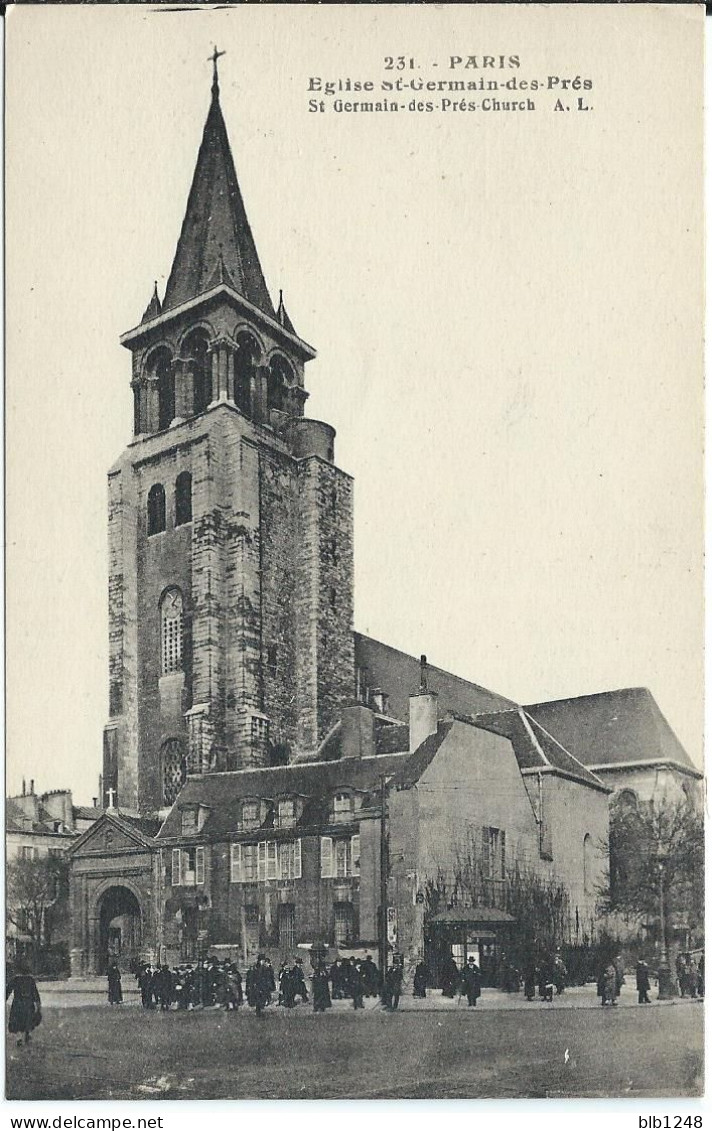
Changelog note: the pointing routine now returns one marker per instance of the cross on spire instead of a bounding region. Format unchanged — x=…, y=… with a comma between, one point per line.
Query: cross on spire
x=214, y=60
x=111, y=793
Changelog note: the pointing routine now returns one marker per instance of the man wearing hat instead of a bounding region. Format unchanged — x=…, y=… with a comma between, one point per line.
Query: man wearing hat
x=472, y=981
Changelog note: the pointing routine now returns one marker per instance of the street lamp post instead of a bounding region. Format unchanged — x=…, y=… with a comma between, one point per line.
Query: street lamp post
x=664, y=980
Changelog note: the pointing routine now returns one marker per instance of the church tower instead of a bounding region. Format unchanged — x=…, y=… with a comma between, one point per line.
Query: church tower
x=230, y=526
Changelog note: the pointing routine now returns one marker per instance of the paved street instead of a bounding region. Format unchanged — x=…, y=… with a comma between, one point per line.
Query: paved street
x=504, y=1048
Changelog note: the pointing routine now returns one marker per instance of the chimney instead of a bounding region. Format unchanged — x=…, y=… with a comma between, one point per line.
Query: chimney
x=357, y=732
x=423, y=714
x=32, y=786
x=24, y=788
x=94, y=802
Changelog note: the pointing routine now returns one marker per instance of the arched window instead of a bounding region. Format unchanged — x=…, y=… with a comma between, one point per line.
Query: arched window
x=626, y=800
x=246, y=356
x=156, y=510
x=171, y=631
x=184, y=498
x=588, y=888
x=279, y=378
x=173, y=770
x=161, y=368
x=195, y=348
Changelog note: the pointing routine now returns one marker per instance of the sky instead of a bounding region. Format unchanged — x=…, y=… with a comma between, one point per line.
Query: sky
x=507, y=310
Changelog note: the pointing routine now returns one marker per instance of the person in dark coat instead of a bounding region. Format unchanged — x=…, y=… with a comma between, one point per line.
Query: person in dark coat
x=559, y=973
x=393, y=984
x=471, y=981
x=26, y=1008
x=286, y=987
x=701, y=976
x=530, y=979
x=355, y=983
x=450, y=978
x=251, y=984
x=320, y=989
x=264, y=985
x=371, y=977
x=300, y=985
x=113, y=975
x=164, y=987
x=145, y=983
x=420, y=980
x=642, y=982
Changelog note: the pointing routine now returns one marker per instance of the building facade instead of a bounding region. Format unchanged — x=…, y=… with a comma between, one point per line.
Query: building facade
x=273, y=779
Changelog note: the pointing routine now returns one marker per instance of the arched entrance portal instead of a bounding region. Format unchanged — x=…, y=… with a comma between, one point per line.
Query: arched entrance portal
x=119, y=928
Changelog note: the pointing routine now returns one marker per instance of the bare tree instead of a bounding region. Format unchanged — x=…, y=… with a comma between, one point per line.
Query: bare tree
x=36, y=894
x=650, y=843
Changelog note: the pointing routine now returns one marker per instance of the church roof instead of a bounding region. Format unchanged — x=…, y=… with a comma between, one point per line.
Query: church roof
x=534, y=748
x=612, y=728
x=215, y=225
x=397, y=674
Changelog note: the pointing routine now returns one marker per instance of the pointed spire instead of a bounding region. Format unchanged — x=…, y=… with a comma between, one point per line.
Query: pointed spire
x=154, y=307
x=282, y=316
x=216, y=223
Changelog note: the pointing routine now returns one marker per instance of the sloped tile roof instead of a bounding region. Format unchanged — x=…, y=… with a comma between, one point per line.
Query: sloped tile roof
x=612, y=727
x=316, y=781
x=534, y=749
x=398, y=675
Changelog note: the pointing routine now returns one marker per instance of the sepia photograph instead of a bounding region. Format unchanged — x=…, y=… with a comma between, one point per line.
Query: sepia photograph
x=354, y=552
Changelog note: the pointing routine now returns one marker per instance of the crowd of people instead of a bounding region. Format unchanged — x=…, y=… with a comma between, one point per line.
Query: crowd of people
x=218, y=983
x=212, y=983
x=690, y=975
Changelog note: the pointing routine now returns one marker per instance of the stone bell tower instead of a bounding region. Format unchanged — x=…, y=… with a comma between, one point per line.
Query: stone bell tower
x=230, y=526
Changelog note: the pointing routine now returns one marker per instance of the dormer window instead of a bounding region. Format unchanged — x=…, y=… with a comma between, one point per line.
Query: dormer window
x=251, y=815
x=192, y=819
x=286, y=813
x=343, y=807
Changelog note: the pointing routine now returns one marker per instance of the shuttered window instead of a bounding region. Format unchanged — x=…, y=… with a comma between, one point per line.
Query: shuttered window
x=175, y=868
x=327, y=857
x=200, y=865
x=340, y=857
x=271, y=860
x=236, y=876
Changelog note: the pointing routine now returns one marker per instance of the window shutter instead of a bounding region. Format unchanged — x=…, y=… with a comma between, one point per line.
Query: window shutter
x=200, y=865
x=236, y=876
x=504, y=856
x=327, y=857
x=175, y=868
x=356, y=855
x=297, y=860
x=485, y=853
x=262, y=860
x=271, y=860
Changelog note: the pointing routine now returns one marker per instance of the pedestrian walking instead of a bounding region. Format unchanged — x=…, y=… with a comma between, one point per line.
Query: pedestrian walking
x=701, y=976
x=113, y=975
x=320, y=989
x=26, y=1008
x=608, y=984
x=420, y=980
x=450, y=978
x=393, y=984
x=642, y=982
x=471, y=981
x=355, y=983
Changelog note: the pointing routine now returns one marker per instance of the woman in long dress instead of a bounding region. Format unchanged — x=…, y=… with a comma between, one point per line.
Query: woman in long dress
x=25, y=1011
x=114, y=978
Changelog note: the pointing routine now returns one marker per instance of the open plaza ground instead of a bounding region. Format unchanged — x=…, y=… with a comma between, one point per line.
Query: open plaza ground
x=504, y=1048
